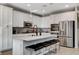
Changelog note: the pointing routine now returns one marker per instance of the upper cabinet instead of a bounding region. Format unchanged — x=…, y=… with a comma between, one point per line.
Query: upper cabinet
x=18, y=19
x=69, y=16
x=56, y=18
x=27, y=17
x=45, y=22
x=36, y=20
x=42, y=22
x=66, y=16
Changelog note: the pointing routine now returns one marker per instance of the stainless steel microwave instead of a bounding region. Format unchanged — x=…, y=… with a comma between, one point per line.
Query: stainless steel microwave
x=27, y=24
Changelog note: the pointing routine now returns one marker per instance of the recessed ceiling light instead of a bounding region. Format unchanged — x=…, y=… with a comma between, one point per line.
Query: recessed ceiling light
x=66, y=5
x=28, y=5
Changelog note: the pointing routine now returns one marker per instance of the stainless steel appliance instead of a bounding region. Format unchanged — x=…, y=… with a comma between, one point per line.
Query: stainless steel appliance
x=27, y=24
x=67, y=33
x=54, y=28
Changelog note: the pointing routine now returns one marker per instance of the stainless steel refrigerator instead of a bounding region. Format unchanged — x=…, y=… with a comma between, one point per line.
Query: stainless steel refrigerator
x=67, y=33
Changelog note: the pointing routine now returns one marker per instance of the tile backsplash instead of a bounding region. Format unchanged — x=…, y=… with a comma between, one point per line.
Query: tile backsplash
x=18, y=30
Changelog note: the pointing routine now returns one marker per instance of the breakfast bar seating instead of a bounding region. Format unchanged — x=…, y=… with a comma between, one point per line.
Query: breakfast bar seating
x=42, y=45
x=43, y=48
x=35, y=45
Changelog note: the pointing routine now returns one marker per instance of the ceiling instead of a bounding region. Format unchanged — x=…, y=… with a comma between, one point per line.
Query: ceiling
x=43, y=8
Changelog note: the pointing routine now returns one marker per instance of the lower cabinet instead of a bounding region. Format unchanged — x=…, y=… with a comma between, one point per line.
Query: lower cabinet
x=6, y=38
x=0, y=39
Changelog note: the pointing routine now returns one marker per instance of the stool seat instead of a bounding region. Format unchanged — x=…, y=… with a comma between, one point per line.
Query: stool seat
x=38, y=46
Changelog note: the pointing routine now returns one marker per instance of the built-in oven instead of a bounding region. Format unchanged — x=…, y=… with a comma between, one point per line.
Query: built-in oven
x=54, y=28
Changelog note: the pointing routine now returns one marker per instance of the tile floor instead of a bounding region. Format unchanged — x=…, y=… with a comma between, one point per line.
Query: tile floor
x=63, y=51
x=68, y=51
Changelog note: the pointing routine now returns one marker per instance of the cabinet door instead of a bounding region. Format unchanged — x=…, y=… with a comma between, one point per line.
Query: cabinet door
x=9, y=23
x=6, y=28
x=0, y=39
x=36, y=21
x=0, y=28
x=56, y=18
x=20, y=19
x=45, y=23
x=17, y=19
x=26, y=17
x=67, y=16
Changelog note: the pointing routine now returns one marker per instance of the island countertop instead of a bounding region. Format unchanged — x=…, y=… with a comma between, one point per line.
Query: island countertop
x=20, y=41
x=29, y=37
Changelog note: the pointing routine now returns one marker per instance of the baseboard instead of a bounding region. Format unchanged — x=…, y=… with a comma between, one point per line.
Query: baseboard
x=66, y=46
x=6, y=50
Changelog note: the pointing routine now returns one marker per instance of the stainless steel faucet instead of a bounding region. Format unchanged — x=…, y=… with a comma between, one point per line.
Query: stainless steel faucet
x=35, y=26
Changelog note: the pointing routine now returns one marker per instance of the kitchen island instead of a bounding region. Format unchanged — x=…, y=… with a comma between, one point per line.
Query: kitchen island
x=22, y=41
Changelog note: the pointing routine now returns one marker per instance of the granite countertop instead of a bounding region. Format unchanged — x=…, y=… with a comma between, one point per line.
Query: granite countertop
x=29, y=37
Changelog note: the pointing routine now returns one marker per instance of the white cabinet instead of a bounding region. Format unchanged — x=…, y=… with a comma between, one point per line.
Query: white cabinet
x=5, y=28
x=66, y=16
x=0, y=38
x=31, y=18
x=27, y=17
x=18, y=19
x=36, y=21
x=46, y=22
x=57, y=18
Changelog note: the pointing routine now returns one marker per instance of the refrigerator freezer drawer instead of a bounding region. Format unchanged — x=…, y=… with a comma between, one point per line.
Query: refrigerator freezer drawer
x=70, y=42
